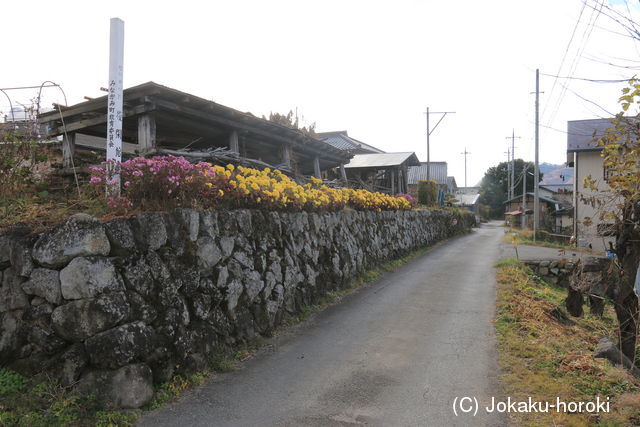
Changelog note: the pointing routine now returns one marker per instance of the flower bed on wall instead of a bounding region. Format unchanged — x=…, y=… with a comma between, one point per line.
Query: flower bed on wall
x=168, y=181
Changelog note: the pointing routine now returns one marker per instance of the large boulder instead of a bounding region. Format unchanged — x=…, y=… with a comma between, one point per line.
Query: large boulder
x=88, y=277
x=9, y=337
x=138, y=276
x=20, y=256
x=208, y=254
x=81, y=319
x=129, y=387
x=80, y=235
x=119, y=346
x=608, y=350
x=44, y=283
x=12, y=297
x=149, y=230
x=68, y=365
x=5, y=242
x=253, y=284
x=120, y=236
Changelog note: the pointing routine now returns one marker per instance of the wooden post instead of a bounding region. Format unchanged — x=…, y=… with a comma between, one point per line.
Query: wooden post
x=316, y=167
x=343, y=173
x=405, y=178
x=146, y=133
x=68, y=150
x=233, y=142
x=393, y=181
x=400, y=189
x=286, y=155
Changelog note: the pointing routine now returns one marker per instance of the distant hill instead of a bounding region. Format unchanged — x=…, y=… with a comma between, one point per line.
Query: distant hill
x=556, y=174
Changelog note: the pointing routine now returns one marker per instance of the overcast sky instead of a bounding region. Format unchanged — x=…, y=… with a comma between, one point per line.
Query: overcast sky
x=368, y=67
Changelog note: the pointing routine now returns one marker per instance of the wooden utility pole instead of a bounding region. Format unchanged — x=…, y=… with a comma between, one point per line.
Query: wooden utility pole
x=465, y=152
x=114, y=106
x=536, y=173
x=429, y=132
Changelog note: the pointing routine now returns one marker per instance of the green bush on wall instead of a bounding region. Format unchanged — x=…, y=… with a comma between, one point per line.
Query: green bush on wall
x=427, y=192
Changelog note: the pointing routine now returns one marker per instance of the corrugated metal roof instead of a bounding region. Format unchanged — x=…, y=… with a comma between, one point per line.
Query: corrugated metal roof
x=341, y=140
x=381, y=160
x=438, y=172
x=467, y=199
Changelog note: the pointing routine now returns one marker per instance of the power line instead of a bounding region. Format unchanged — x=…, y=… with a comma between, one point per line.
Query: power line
x=586, y=79
x=566, y=50
x=576, y=59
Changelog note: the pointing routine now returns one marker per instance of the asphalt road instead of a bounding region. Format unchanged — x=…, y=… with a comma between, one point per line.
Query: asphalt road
x=396, y=352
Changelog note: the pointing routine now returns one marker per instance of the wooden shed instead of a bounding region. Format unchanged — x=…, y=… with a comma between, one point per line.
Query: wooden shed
x=158, y=119
x=385, y=172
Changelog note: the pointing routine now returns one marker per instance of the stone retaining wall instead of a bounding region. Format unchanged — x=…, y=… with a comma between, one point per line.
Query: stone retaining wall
x=118, y=306
x=555, y=272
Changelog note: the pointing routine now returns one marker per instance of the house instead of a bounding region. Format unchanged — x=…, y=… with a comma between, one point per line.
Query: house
x=162, y=120
x=553, y=215
x=468, y=198
x=384, y=172
x=584, y=155
x=469, y=202
x=437, y=172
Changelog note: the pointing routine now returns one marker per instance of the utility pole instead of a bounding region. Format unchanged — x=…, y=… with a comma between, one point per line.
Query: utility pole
x=508, y=153
x=429, y=132
x=536, y=173
x=512, y=189
x=524, y=196
x=465, y=165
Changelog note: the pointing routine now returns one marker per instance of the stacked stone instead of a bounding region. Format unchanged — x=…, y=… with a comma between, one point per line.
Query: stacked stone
x=555, y=272
x=115, y=307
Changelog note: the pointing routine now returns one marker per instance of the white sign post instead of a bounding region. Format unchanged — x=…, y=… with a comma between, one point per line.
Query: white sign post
x=114, y=107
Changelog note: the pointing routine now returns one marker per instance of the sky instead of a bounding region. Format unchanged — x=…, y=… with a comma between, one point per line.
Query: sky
x=368, y=67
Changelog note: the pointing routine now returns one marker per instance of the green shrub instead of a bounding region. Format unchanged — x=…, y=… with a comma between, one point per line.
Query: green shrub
x=427, y=192
x=11, y=382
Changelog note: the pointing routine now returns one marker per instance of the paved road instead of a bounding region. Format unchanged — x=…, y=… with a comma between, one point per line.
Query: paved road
x=396, y=352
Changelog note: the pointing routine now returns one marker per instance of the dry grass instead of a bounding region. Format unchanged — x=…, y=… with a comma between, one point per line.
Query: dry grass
x=544, y=358
x=525, y=237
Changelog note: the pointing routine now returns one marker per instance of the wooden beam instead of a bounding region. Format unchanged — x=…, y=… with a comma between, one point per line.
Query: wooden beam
x=68, y=150
x=316, y=167
x=100, y=143
x=96, y=105
x=80, y=124
x=146, y=133
x=240, y=125
x=233, y=142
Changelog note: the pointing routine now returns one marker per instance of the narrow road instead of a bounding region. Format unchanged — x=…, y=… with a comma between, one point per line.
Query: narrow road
x=397, y=352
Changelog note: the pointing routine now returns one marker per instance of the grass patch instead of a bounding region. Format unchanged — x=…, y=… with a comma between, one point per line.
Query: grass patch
x=525, y=237
x=42, y=402
x=544, y=358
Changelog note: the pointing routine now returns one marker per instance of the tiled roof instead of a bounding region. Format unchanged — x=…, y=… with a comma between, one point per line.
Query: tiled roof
x=438, y=172
x=582, y=135
x=341, y=140
x=381, y=160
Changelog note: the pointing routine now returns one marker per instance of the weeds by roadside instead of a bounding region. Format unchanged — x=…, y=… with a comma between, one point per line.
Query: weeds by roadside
x=544, y=357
